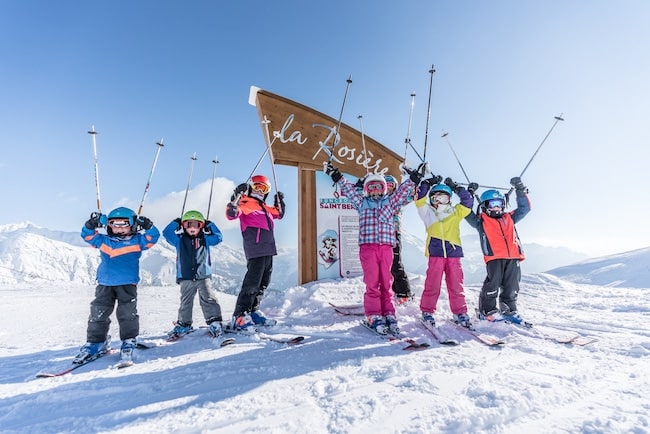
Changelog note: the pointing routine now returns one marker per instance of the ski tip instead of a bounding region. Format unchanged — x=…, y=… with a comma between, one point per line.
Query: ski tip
x=227, y=341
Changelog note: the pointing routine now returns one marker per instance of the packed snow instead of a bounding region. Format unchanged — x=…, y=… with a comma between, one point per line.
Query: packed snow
x=342, y=378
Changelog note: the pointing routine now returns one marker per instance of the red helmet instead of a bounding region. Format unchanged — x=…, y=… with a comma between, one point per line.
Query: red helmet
x=260, y=183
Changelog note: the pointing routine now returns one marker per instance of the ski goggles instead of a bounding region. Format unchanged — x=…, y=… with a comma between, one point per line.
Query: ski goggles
x=261, y=187
x=119, y=223
x=495, y=203
x=192, y=224
x=441, y=198
x=375, y=186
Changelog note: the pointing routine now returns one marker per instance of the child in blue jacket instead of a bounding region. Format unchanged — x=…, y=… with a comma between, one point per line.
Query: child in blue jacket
x=192, y=235
x=127, y=236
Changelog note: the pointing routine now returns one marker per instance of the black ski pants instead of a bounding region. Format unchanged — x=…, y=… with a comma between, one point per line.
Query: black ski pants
x=102, y=307
x=256, y=280
x=504, y=275
x=401, y=285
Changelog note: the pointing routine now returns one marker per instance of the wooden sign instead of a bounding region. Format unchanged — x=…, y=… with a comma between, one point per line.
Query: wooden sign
x=307, y=139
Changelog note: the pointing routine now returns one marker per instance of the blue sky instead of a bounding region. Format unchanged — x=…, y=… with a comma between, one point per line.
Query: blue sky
x=146, y=70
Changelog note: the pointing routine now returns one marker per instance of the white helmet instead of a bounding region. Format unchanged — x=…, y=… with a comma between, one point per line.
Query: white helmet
x=374, y=179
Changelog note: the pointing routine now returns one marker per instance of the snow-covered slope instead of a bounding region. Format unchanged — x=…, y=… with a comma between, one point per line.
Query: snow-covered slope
x=630, y=269
x=342, y=379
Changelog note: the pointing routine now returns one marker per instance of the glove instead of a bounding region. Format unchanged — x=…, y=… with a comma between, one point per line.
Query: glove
x=279, y=199
x=179, y=222
x=333, y=172
x=518, y=184
x=360, y=182
x=422, y=169
x=429, y=182
x=472, y=187
x=415, y=176
x=206, y=228
x=451, y=184
x=241, y=188
x=144, y=223
x=94, y=221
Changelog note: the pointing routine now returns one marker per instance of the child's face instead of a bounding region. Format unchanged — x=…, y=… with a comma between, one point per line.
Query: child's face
x=375, y=189
x=192, y=227
x=440, y=198
x=120, y=227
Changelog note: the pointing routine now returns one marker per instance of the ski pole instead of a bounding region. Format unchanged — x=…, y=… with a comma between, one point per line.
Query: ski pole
x=337, y=136
x=363, y=144
x=444, y=136
x=426, y=131
x=93, y=133
x=261, y=157
x=189, y=180
x=407, y=140
x=266, y=123
x=153, y=167
x=214, y=171
x=557, y=119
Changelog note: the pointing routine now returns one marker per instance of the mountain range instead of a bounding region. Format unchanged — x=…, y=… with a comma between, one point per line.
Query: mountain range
x=30, y=254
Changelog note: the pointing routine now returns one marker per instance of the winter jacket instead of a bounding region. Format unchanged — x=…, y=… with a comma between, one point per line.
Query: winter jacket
x=120, y=256
x=443, y=225
x=498, y=236
x=256, y=223
x=377, y=217
x=192, y=253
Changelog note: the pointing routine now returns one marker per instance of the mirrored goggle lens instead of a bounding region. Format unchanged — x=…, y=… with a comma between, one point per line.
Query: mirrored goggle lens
x=192, y=224
x=441, y=197
x=262, y=188
x=495, y=203
x=118, y=223
x=375, y=186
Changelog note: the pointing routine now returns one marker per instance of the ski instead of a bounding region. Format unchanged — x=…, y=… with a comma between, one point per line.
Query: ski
x=289, y=340
x=438, y=335
x=568, y=339
x=124, y=363
x=411, y=344
x=223, y=341
x=489, y=340
x=351, y=309
x=173, y=337
x=282, y=339
x=72, y=366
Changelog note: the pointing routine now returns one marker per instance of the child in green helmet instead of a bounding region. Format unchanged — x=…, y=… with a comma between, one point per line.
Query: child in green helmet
x=192, y=235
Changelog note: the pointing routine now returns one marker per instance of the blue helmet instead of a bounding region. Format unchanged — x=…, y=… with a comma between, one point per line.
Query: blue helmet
x=123, y=213
x=441, y=188
x=493, y=203
x=491, y=194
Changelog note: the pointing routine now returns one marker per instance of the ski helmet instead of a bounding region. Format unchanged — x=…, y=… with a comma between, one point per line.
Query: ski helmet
x=374, y=178
x=193, y=215
x=390, y=179
x=260, y=179
x=123, y=213
x=440, y=188
x=487, y=197
x=491, y=194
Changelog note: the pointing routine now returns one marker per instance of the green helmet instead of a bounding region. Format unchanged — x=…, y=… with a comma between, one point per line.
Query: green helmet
x=193, y=215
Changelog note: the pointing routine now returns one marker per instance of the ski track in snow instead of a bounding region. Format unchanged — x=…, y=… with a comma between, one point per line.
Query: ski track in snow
x=341, y=379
